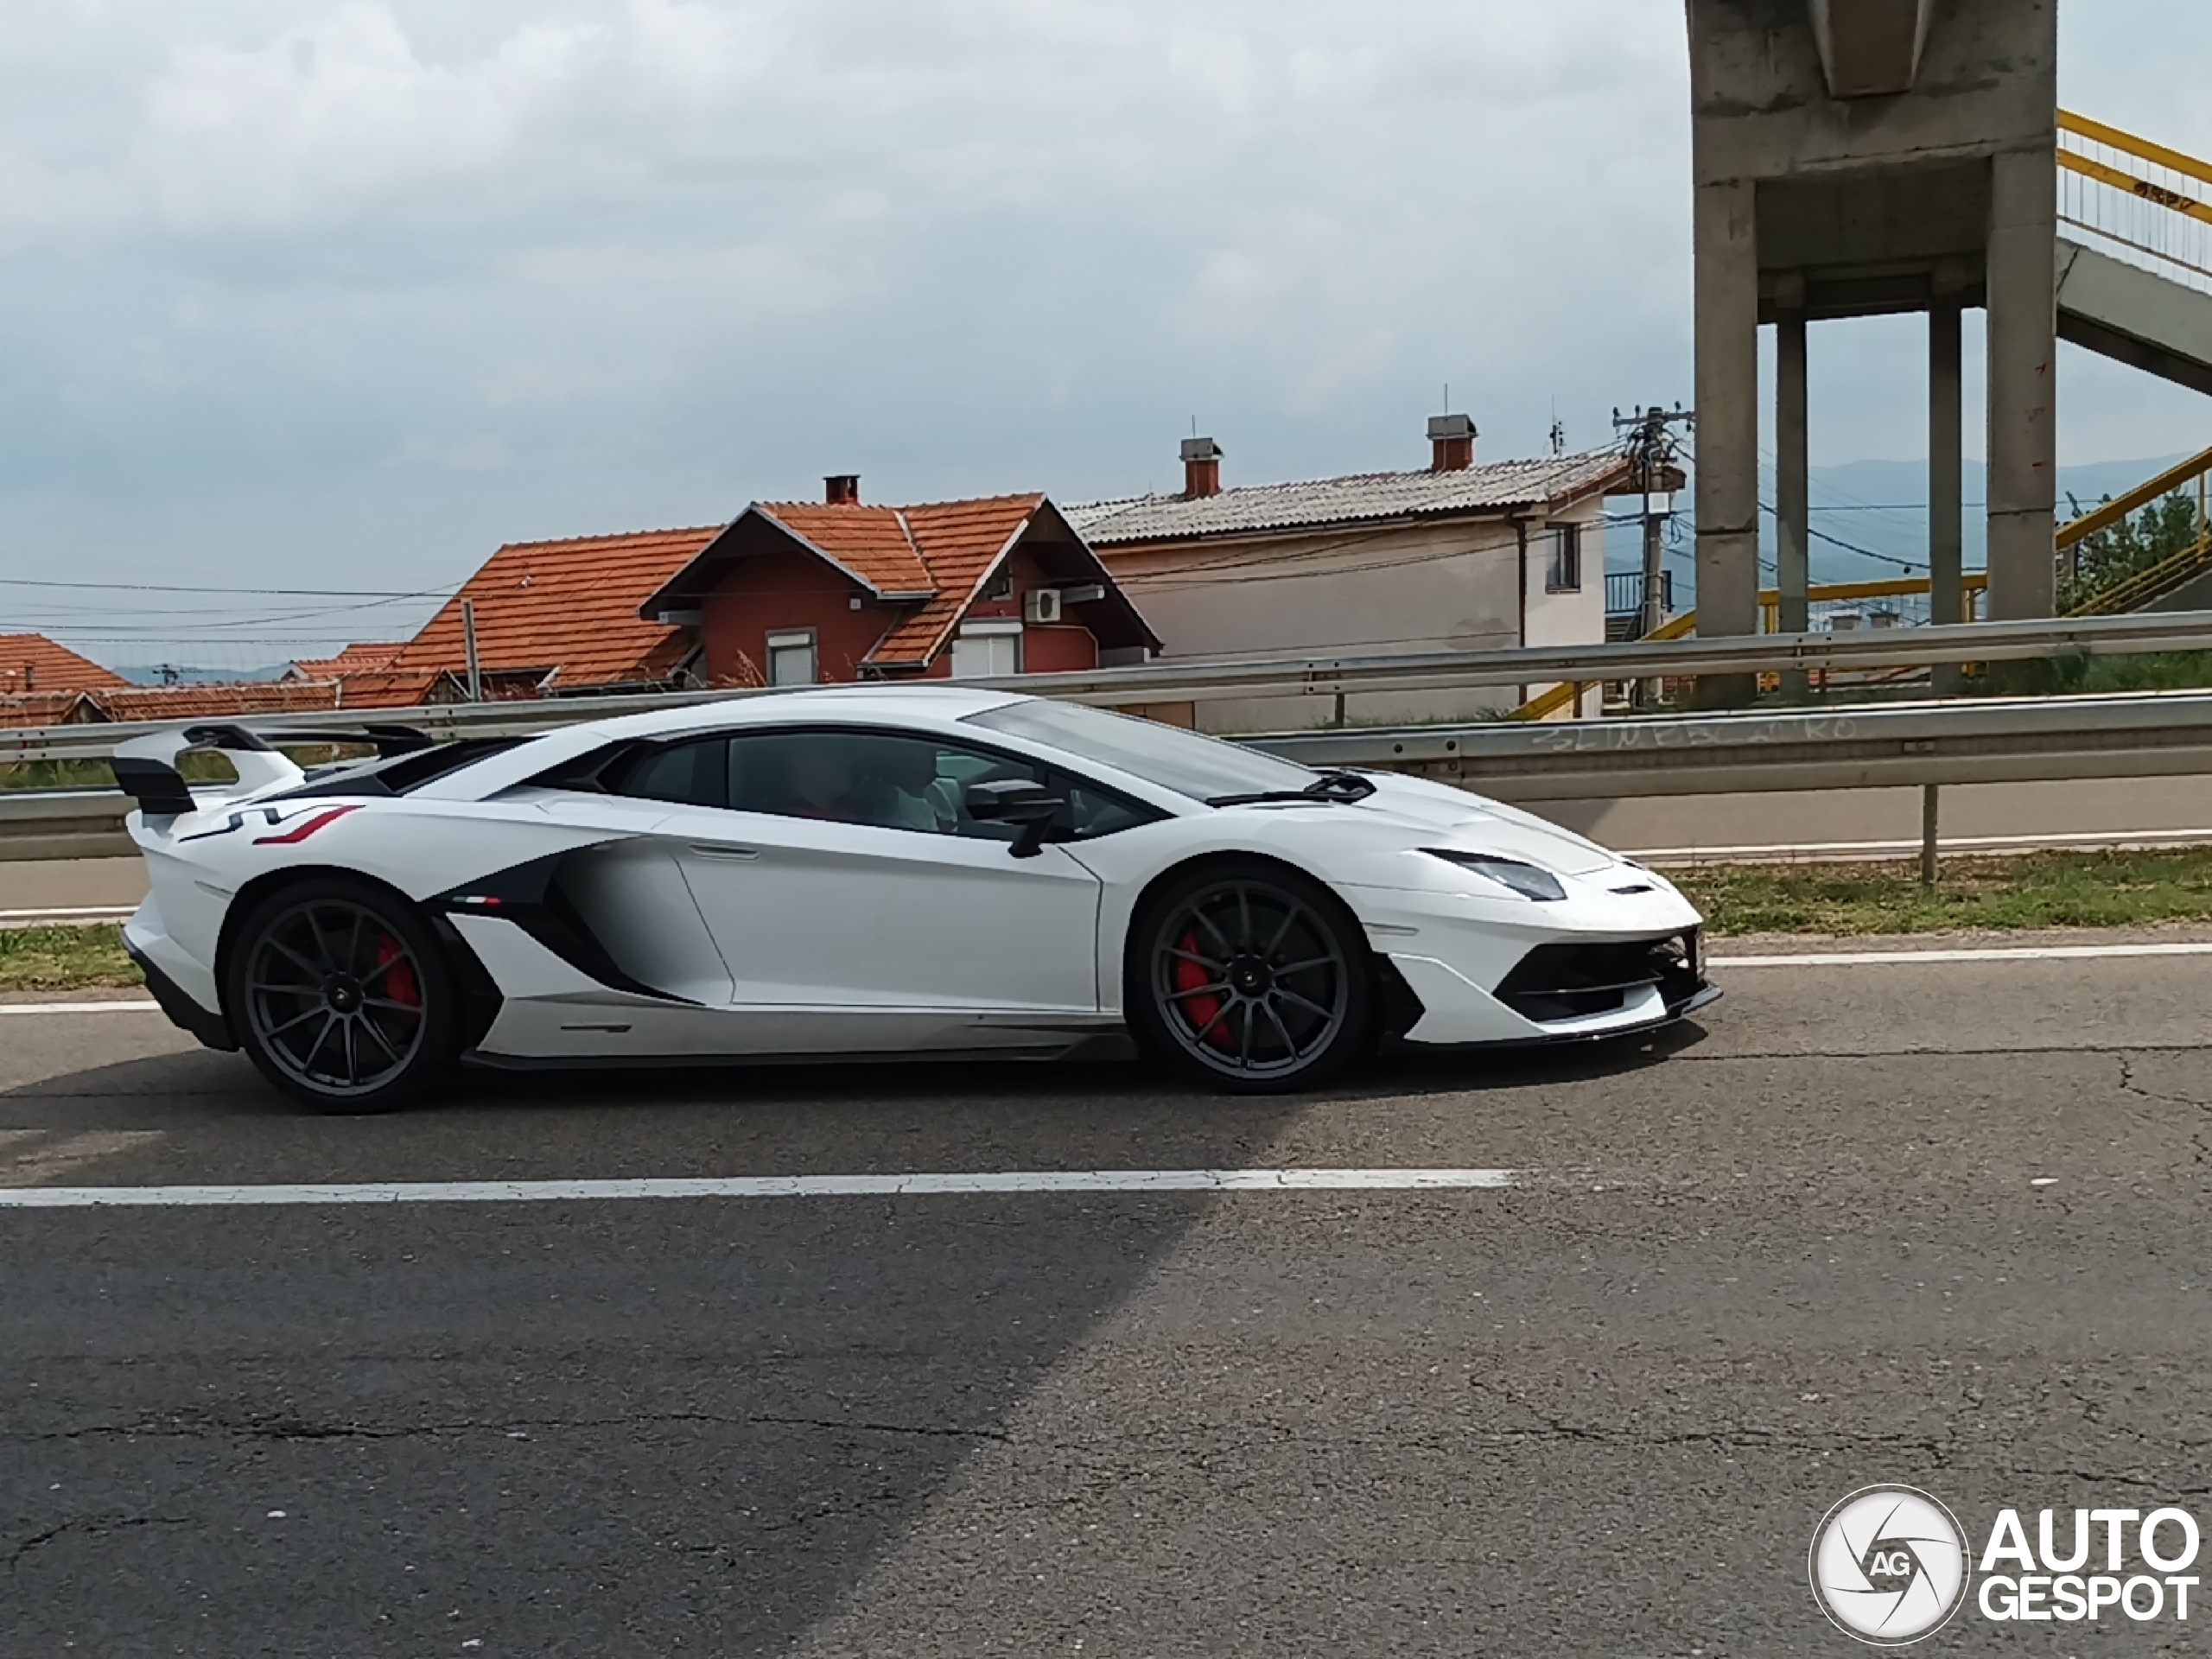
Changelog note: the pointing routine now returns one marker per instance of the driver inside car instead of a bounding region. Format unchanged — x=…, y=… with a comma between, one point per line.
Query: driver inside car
x=829, y=780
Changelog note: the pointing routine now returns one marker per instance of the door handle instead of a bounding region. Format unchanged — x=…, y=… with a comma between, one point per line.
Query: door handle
x=731, y=855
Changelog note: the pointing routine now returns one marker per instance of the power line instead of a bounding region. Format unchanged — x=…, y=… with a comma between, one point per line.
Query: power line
x=256, y=593
x=1887, y=506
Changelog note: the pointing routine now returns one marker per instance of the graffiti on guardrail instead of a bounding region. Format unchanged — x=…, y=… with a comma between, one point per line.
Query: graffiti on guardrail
x=1612, y=738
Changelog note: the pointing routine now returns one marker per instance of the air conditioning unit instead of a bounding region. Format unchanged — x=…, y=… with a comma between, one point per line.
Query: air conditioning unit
x=1041, y=605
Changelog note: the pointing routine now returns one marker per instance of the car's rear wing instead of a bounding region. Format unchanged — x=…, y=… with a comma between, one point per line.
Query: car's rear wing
x=145, y=767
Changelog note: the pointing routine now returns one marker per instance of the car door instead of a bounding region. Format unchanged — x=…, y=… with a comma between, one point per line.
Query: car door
x=845, y=873
x=629, y=893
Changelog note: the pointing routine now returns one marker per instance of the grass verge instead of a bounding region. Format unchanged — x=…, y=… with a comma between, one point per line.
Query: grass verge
x=2035, y=890
x=64, y=959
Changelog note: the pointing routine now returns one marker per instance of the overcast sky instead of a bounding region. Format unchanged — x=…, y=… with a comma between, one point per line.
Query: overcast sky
x=340, y=295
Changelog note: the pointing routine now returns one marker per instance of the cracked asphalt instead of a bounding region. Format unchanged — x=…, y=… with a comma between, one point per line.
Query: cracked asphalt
x=1794, y=1251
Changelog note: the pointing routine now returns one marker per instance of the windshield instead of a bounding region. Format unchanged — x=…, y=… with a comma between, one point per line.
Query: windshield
x=1201, y=767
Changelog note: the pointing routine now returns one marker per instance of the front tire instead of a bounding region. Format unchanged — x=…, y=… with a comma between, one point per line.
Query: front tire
x=338, y=991
x=1251, y=977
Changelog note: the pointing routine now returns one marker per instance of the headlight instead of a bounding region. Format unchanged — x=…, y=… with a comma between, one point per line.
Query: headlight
x=1524, y=878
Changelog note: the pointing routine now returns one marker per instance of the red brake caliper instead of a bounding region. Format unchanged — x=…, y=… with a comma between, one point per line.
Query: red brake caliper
x=400, y=984
x=1189, y=975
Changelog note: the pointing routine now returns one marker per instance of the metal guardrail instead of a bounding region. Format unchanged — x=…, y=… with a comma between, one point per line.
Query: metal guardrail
x=2137, y=735
x=1962, y=741
x=63, y=824
x=1982, y=642
x=1276, y=677
x=1976, y=740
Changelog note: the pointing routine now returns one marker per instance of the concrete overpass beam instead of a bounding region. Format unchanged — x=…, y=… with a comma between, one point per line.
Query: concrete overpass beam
x=1870, y=48
x=2135, y=316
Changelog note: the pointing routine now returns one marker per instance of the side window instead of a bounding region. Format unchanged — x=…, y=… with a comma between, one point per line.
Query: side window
x=873, y=778
x=692, y=774
x=893, y=782
x=1563, y=570
x=1093, y=811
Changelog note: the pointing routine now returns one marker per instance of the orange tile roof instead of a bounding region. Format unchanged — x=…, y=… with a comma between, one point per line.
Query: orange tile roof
x=357, y=658
x=567, y=605
x=219, y=698
x=48, y=708
x=31, y=662
x=387, y=688
x=871, y=542
x=960, y=541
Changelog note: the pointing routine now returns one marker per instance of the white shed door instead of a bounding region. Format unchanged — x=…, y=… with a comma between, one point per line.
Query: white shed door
x=986, y=653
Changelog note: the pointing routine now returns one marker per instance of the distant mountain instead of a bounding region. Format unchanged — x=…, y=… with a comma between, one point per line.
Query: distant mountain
x=1870, y=518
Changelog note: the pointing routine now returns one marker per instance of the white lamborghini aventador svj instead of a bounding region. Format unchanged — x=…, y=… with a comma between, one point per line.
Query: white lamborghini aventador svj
x=867, y=871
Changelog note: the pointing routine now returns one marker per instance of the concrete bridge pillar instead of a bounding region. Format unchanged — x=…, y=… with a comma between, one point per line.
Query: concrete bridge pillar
x=1727, y=408
x=1854, y=158
x=2023, y=267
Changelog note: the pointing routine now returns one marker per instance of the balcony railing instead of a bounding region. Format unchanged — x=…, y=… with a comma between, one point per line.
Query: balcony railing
x=1625, y=592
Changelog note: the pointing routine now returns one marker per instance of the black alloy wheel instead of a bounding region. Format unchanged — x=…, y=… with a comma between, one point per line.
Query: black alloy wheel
x=341, y=994
x=1253, y=977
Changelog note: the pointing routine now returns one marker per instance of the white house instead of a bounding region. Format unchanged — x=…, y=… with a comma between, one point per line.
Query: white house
x=1458, y=557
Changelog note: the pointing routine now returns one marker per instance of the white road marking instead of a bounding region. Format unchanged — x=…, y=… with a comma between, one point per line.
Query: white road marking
x=142, y=1006
x=2016, y=953
x=767, y=1186
x=86, y=915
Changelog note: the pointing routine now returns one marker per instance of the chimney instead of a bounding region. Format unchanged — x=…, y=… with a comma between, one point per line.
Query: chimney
x=841, y=489
x=30, y=677
x=1451, y=443
x=1201, y=468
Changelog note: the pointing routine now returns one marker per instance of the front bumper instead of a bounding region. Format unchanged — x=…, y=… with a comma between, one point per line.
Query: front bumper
x=1537, y=1003
x=1513, y=971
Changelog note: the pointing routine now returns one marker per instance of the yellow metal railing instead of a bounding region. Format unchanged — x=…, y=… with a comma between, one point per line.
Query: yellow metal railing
x=2130, y=190
x=1885, y=587
x=1568, y=694
x=2121, y=507
x=2149, y=582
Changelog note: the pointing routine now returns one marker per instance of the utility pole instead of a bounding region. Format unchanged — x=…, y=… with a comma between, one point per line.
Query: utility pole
x=469, y=645
x=1651, y=445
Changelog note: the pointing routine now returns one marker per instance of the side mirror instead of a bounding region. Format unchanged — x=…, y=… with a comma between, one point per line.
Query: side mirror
x=1019, y=801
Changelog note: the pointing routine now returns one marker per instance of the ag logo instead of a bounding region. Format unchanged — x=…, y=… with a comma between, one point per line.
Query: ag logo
x=1889, y=1564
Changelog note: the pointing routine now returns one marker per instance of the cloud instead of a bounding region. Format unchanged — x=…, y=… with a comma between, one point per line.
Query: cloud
x=437, y=275
x=337, y=113
x=485, y=453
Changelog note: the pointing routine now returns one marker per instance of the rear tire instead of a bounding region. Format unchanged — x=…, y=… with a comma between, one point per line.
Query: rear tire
x=338, y=991
x=1251, y=978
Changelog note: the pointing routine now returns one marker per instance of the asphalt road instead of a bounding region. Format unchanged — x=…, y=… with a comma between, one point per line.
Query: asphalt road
x=1788, y=1254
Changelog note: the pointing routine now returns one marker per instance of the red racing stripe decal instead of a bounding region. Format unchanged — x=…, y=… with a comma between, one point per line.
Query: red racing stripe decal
x=301, y=832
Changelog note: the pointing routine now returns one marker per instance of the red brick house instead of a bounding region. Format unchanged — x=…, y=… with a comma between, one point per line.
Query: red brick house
x=803, y=593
